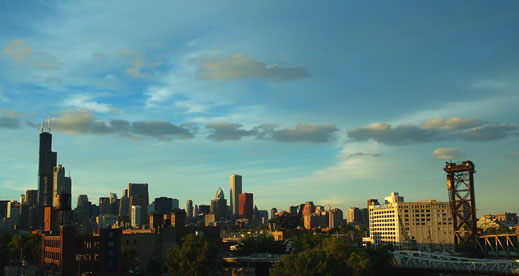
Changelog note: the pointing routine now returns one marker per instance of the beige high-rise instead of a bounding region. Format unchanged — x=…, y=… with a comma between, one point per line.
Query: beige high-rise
x=235, y=185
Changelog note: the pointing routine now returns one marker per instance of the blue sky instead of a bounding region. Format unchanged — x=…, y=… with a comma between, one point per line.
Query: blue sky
x=335, y=102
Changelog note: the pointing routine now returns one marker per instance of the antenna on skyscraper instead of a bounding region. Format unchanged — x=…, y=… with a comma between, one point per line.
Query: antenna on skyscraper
x=48, y=124
x=41, y=129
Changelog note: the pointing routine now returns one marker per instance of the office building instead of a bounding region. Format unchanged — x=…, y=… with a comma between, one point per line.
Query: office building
x=136, y=216
x=204, y=209
x=124, y=207
x=309, y=208
x=273, y=213
x=219, y=205
x=189, y=208
x=31, y=198
x=335, y=217
x=163, y=205
x=246, y=205
x=47, y=162
x=138, y=194
x=174, y=203
x=104, y=206
x=354, y=216
x=236, y=188
x=420, y=224
x=195, y=211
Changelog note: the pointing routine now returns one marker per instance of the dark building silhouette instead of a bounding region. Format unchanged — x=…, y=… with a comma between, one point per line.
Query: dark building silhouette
x=3, y=208
x=31, y=198
x=138, y=194
x=246, y=204
x=47, y=162
x=104, y=206
x=163, y=205
x=204, y=209
x=219, y=205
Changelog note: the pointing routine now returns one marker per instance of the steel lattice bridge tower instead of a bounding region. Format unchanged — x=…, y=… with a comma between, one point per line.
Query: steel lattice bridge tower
x=460, y=183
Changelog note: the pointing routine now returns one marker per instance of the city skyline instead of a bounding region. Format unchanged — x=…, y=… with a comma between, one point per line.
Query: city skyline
x=352, y=105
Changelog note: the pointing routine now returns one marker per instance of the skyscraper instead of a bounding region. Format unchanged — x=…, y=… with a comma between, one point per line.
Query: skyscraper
x=47, y=162
x=235, y=183
x=138, y=194
x=245, y=204
x=189, y=208
x=58, y=182
x=219, y=205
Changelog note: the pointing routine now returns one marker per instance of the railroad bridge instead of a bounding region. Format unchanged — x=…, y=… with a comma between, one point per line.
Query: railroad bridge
x=427, y=261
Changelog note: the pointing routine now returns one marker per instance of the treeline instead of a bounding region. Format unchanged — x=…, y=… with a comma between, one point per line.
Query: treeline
x=15, y=248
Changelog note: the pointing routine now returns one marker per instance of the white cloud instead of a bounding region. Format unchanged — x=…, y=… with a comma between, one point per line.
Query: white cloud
x=157, y=95
x=447, y=153
x=85, y=101
x=192, y=107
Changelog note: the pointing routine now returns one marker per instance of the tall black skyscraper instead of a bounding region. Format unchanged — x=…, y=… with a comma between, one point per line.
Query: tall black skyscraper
x=48, y=160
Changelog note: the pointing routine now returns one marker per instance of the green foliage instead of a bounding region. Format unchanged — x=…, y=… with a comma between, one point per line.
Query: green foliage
x=128, y=259
x=193, y=257
x=261, y=243
x=153, y=268
x=328, y=256
x=26, y=247
x=306, y=241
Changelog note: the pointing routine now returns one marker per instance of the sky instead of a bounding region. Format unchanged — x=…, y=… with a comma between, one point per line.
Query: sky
x=333, y=102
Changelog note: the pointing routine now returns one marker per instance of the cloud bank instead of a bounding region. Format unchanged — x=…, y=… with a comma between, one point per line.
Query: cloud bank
x=82, y=121
x=438, y=129
x=303, y=132
x=241, y=66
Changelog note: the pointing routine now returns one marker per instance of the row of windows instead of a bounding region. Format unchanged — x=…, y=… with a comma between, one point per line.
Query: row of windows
x=51, y=255
x=52, y=243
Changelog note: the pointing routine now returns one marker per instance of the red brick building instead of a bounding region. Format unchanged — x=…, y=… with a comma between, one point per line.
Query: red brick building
x=245, y=203
x=68, y=253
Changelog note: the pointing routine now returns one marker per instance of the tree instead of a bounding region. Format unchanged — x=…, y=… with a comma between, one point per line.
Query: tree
x=260, y=244
x=193, y=256
x=128, y=259
x=319, y=255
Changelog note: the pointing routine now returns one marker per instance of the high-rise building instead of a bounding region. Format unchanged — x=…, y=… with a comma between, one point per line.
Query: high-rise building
x=195, y=211
x=174, y=204
x=335, y=217
x=354, y=216
x=219, y=205
x=246, y=205
x=31, y=198
x=236, y=185
x=309, y=208
x=138, y=194
x=3, y=208
x=204, y=209
x=292, y=210
x=13, y=212
x=124, y=207
x=104, y=205
x=189, y=208
x=163, y=205
x=47, y=162
x=420, y=224
x=273, y=212
x=58, y=182
x=136, y=215
x=393, y=198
